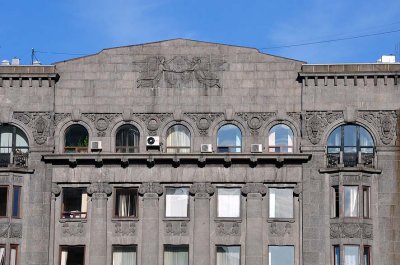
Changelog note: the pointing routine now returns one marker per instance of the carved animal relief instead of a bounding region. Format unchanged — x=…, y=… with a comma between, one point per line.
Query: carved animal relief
x=228, y=229
x=351, y=230
x=39, y=122
x=280, y=229
x=125, y=228
x=316, y=123
x=176, y=228
x=73, y=229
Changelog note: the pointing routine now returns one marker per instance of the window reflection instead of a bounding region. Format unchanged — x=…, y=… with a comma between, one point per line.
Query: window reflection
x=280, y=139
x=229, y=139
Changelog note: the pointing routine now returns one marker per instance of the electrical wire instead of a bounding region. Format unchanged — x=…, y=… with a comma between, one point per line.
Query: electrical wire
x=62, y=53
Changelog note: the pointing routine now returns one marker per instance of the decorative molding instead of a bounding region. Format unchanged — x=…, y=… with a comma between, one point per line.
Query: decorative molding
x=202, y=188
x=4, y=230
x=15, y=230
x=99, y=187
x=59, y=117
x=55, y=189
x=280, y=229
x=179, y=71
x=228, y=229
x=254, y=188
x=351, y=230
x=125, y=228
x=39, y=122
x=73, y=229
x=296, y=117
x=203, y=121
x=316, y=123
x=153, y=120
x=385, y=123
x=255, y=120
x=101, y=121
x=176, y=228
x=151, y=187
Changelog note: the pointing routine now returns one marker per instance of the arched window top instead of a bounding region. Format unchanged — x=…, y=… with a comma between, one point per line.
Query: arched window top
x=76, y=139
x=178, y=139
x=280, y=139
x=350, y=144
x=13, y=140
x=229, y=139
x=127, y=139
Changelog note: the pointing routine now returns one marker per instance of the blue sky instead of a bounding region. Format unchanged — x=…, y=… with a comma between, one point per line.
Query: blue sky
x=87, y=26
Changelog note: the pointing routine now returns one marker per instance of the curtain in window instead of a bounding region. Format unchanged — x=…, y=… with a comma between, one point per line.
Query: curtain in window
x=2, y=255
x=176, y=204
x=84, y=204
x=228, y=202
x=281, y=203
x=351, y=255
x=176, y=255
x=351, y=201
x=228, y=255
x=5, y=140
x=124, y=255
x=124, y=203
x=64, y=257
x=178, y=136
x=13, y=256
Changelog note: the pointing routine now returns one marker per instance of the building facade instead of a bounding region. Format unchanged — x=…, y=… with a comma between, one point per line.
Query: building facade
x=185, y=152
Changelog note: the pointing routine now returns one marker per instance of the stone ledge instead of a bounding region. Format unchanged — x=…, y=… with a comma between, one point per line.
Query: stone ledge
x=350, y=169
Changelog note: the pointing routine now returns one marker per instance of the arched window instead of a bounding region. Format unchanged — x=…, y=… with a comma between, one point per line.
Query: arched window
x=13, y=144
x=127, y=139
x=350, y=145
x=178, y=139
x=76, y=139
x=280, y=139
x=229, y=139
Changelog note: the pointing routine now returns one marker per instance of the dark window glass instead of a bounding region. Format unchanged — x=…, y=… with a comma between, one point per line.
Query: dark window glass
x=336, y=255
x=16, y=201
x=229, y=139
x=12, y=140
x=127, y=139
x=76, y=139
x=366, y=202
x=3, y=201
x=72, y=255
x=367, y=255
x=126, y=202
x=335, y=201
x=74, y=203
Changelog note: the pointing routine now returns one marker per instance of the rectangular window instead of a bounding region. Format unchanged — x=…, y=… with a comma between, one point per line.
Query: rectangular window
x=367, y=255
x=74, y=203
x=72, y=255
x=126, y=202
x=351, y=255
x=176, y=255
x=366, y=202
x=3, y=201
x=228, y=255
x=16, y=201
x=336, y=255
x=280, y=203
x=281, y=255
x=124, y=255
x=14, y=255
x=335, y=201
x=2, y=254
x=176, y=202
x=228, y=202
x=350, y=201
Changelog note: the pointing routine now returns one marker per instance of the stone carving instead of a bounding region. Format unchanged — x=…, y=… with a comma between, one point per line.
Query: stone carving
x=255, y=119
x=384, y=121
x=55, y=189
x=153, y=120
x=150, y=187
x=39, y=122
x=204, y=121
x=202, y=188
x=179, y=71
x=101, y=121
x=125, y=228
x=4, y=230
x=73, y=229
x=280, y=229
x=316, y=122
x=176, y=228
x=296, y=116
x=15, y=231
x=99, y=187
x=228, y=229
x=254, y=188
x=351, y=230
x=58, y=117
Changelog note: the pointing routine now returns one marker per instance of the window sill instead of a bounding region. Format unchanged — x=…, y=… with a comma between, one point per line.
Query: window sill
x=228, y=219
x=176, y=219
x=76, y=220
x=350, y=169
x=126, y=219
x=283, y=220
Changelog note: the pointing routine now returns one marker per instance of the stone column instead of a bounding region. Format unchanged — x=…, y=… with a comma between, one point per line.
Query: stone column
x=98, y=223
x=55, y=192
x=150, y=219
x=201, y=234
x=254, y=222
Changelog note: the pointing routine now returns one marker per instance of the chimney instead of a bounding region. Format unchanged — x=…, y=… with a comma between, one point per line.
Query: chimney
x=15, y=61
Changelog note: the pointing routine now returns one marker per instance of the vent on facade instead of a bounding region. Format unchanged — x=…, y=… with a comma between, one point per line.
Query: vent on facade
x=153, y=141
x=5, y=62
x=387, y=59
x=95, y=145
x=206, y=148
x=256, y=148
x=15, y=61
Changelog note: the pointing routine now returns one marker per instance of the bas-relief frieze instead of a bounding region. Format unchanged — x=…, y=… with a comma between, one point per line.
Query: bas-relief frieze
x=73, y=229
x=179, y=71
x=254, y=188
x=153, y=121
x=384, y=121
x=316, y=123
x=228, y=229
x=39, y=122
x=351, y=230
x=101, y=121
x=280, y=229
x=10, y=230
x=255, y=120
x=203, y=121
x=176, y=228
x=124, y=228
x=151, y=187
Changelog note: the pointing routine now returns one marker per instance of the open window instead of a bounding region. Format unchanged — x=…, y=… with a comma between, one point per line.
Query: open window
x=14, y=146
x=280, y=139
x=72, y=255
x=127, y=139
x=126, y=202
x=74, y=204
x=229, y=139
x=178, y=139
x=76, y=139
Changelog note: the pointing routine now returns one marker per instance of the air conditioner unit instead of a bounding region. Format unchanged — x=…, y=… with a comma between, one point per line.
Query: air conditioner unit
x=206, y=148
x=153, y=141
x=256, y=148
x=95, y=145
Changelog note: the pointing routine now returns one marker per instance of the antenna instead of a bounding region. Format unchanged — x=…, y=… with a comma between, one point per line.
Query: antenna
x=32, y=55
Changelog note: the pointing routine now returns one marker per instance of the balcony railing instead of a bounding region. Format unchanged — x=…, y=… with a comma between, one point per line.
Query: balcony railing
x=16, y=159
x=350, y=159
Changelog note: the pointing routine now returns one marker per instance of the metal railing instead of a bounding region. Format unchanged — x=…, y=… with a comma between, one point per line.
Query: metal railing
x=280, y=149
x=17, y=159
x=178, y=149
x=74, y=215
x=76, y=149
x=229, y=149
x=350, y=159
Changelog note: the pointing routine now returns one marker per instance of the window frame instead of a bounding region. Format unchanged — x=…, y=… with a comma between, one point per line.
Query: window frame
x=282, y=146
x=121, y=245
x=7, y=200
x=18, y=216
x=269, y=203
x=364, y=247
x=13, y=246
x=136, y=203
x=292, y=246
x=177, y=245
x=334, y=248
x=335, y=201
x=14, y=146
x=76, y=149
x=221, y=245
x=358, y=215
x=61, y=247
x=4, y=246
x=241, y=147
x=78, y=213
x=188, y=203
x=176, y=149
x=366, y=204
x=351, y=245
x=127, y=147
x=240, y=203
